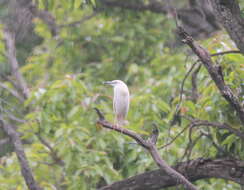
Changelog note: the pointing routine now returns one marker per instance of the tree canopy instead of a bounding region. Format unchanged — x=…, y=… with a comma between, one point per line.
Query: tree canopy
x=183, y=64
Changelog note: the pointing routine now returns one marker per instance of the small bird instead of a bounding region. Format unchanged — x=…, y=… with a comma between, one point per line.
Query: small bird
x=121, y=100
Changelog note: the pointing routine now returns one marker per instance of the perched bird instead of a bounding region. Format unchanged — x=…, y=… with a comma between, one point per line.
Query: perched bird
x=121, y=100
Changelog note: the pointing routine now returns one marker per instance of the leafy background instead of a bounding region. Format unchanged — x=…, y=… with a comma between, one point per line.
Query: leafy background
x=65, y=75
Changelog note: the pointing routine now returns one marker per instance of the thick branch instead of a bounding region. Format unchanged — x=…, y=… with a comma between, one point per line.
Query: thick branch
x=11, y=55
x=195, y=170
x=213, y=71
x=229, y=15
x=18, y=147
x=150, y=146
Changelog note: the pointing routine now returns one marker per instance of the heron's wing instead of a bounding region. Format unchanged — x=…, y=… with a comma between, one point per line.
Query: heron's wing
x=121, y=105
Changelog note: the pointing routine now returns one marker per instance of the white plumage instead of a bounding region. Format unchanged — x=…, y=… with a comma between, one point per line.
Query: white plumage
x=121, y=100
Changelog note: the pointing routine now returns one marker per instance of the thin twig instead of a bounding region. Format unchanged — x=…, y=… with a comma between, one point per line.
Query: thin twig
x=177, y=109
x=194, y=83
x=79, y=22
x=169, y=143
x=190, y=147
x=226, y=52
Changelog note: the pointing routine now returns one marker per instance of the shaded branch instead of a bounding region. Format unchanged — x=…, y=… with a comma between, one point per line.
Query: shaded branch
x=19, y=150
x=228, y=169
x=148, y=145
x=213, y=71
x=11, y=55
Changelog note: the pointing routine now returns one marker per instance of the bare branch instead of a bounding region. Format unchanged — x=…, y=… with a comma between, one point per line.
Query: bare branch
x=148, y=145
x=225, y=52
x=18, y=147
x=11, y=55
x=213, y=71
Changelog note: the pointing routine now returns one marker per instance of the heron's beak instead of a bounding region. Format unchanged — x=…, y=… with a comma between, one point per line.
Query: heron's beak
x=108, y=82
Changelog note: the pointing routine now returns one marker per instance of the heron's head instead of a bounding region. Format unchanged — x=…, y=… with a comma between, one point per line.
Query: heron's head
x=114, y=82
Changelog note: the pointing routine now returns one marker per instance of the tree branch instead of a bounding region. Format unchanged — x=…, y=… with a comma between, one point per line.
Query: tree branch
x=228, y=169
x=213, y=71
x=11, y=55
x=18, y=147
x=53, y=153
x=198, y=122
x=229, y=15
x=226, y=52
x=151, y=148
x=194, y=91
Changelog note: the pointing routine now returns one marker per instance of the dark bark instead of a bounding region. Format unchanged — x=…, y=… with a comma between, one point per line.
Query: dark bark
x=213, y=71
x=198, y=169
x=229, y=15
x=19, y=149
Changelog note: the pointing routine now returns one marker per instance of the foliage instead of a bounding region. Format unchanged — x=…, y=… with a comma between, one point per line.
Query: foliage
x=65, y=75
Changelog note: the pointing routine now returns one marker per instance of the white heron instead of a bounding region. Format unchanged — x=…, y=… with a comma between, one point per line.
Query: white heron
x=121, y=100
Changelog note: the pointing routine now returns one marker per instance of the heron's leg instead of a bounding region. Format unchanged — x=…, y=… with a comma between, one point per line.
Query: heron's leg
x=120, y=122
